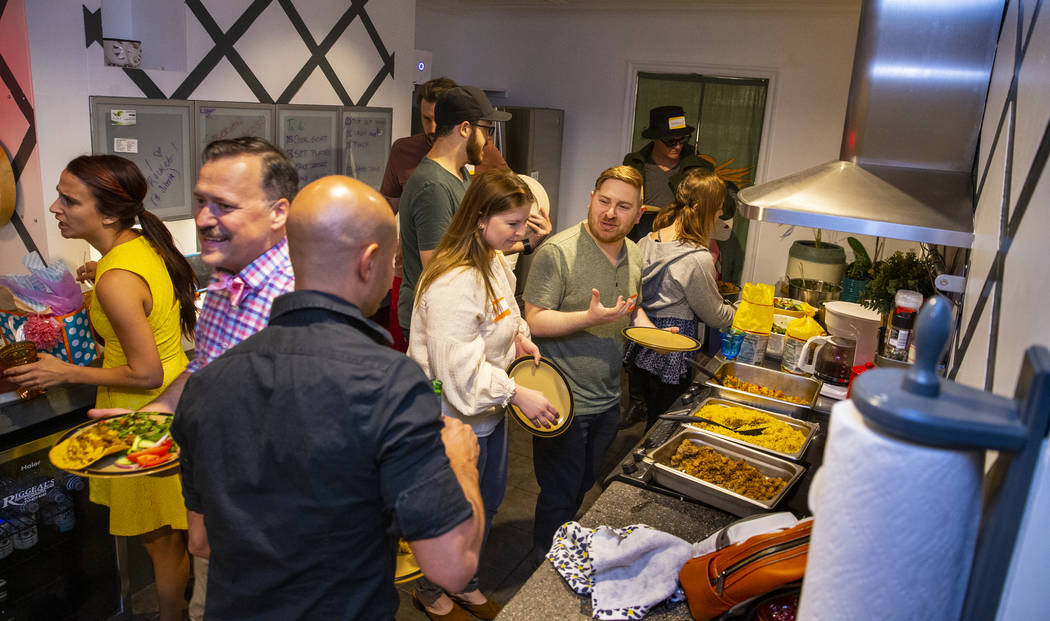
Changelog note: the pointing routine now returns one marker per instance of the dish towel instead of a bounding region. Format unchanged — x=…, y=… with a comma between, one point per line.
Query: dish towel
x=626, y=571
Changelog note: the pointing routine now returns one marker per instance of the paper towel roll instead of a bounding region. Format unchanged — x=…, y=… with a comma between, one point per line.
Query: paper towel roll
x=894, y=529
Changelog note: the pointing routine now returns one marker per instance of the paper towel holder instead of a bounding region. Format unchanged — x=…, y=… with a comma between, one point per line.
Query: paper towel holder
x=918, y=406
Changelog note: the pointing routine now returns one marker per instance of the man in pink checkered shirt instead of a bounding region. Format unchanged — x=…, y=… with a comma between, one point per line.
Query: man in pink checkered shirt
x=241, y=201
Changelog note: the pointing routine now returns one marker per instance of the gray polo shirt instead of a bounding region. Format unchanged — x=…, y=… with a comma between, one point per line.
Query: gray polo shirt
x=565, y=269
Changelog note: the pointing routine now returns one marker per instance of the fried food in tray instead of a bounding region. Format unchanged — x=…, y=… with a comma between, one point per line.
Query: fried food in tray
x=777, y=436
x=731, y=381
x=740, y=477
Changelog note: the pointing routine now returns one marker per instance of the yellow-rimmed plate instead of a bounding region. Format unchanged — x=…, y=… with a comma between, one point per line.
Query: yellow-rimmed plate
x=660, y=340
x=548, y=379
x=406, y=569
x=101, y=463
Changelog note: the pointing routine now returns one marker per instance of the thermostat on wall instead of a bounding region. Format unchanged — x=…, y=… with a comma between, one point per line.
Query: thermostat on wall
x=421, y=73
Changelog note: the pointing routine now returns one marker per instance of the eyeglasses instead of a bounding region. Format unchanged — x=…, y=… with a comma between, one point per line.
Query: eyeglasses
x=674, y=141
x=488, y=129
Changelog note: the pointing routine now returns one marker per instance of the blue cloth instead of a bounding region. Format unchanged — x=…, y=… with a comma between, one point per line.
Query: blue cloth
x=626, y=571
x=566, y=467
x=309, y=448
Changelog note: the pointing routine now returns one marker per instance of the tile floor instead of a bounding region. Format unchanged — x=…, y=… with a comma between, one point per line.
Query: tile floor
x=505, y=565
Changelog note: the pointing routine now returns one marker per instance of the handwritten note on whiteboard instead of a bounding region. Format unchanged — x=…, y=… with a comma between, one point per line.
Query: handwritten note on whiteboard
x=366, y=143
x=227, y=122
x=310, y=139
x=160, y=143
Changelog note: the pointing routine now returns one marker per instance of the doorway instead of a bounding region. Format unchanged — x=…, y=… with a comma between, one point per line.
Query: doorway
x=729, y=115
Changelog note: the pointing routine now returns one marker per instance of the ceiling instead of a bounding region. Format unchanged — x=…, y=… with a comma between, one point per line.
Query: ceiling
x=634, y=5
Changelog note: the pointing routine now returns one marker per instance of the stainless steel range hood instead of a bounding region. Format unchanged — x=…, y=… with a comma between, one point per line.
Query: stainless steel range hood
x=916, y=102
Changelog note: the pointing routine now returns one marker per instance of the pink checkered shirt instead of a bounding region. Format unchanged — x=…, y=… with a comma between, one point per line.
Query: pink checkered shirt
x=222, y=325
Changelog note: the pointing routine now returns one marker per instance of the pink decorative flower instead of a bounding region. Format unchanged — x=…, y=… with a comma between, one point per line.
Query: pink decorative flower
x=44, y=331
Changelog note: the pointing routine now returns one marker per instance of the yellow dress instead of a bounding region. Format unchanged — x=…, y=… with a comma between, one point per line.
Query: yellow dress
x=140, y=504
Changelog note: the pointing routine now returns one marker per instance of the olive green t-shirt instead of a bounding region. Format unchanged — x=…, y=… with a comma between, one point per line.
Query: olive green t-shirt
x=565, y=269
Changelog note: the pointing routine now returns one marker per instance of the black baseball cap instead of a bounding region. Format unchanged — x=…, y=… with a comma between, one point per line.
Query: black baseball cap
x=466, y=103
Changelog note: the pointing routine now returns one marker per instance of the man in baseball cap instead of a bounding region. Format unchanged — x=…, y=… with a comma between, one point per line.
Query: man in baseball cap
x=464, y=119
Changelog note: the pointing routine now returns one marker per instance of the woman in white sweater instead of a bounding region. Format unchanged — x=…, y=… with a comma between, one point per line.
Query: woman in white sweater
x=678, y=286
x=466, y=330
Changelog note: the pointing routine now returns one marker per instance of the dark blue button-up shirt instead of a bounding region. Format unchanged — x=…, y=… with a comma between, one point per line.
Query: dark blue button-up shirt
x=309, y=448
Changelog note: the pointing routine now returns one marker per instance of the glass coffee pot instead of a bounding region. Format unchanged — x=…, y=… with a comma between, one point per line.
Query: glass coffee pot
x=829, y=358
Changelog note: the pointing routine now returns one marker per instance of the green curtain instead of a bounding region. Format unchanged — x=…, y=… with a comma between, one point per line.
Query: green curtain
x=728, y=114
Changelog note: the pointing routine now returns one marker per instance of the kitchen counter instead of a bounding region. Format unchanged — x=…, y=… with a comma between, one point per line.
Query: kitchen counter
x=627, y=500
x=59, y=408
x=547, y=595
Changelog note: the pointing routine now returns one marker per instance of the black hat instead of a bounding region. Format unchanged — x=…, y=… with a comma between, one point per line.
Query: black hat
x=667, y=121
x=465, y=103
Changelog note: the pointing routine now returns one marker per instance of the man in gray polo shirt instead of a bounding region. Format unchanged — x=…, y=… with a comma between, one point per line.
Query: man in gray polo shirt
x=582, y=289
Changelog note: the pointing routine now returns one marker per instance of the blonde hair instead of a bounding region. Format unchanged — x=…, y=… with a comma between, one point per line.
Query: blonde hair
x=624, y=173
x=492, y=192
x=695, y=206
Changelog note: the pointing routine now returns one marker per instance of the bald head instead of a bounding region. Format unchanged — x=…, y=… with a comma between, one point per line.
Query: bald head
x=342, y=240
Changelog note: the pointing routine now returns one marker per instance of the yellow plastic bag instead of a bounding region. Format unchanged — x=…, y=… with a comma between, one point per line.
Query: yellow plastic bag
x=755, y=314
x=798, y=332
x=755, y=318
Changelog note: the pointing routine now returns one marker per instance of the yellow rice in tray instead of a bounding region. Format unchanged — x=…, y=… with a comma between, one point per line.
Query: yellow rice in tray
x=778, y=435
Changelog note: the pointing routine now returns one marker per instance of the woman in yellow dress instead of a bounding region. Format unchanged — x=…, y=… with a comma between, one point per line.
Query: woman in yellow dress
x=142, y=304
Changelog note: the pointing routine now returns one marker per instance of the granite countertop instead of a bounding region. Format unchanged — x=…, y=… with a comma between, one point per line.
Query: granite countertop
x=546, y=595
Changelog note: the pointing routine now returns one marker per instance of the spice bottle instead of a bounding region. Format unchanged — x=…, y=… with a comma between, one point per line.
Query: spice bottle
x=906, y=307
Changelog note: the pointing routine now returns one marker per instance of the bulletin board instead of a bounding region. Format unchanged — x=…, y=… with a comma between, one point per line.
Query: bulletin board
x=218, y=120
x=365, y=138
x=158, y=137
x=309, y=136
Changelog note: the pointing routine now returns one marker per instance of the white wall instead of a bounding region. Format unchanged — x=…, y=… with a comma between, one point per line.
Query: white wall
x=1026, y=285
x=580, y=61
x=65, y=74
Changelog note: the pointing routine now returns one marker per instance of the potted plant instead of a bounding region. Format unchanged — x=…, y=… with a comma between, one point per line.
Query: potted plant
x=903, y=270
x=816, y=260
x=860, y=270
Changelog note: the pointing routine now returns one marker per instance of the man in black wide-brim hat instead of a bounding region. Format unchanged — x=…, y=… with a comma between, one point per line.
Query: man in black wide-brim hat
x=663, y=162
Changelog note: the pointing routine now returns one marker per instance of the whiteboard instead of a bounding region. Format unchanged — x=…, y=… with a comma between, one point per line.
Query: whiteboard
x=158, y=137
x=366, y=143
x=309, y=136
x=221, y=120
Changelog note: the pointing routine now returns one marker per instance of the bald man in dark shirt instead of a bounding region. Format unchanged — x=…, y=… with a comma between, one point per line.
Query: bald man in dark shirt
x=311, y=446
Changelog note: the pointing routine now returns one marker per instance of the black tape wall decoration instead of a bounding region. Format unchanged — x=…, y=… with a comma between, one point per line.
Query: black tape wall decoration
x=223, y=47
x=1010, y=220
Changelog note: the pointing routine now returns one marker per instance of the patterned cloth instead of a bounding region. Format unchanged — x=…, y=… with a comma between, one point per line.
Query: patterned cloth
x=571, y=555
x=223, y=324
x=671, y=368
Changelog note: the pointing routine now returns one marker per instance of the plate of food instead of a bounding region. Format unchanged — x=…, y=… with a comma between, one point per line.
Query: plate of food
x=788, y=306
x=728, y=290
x=128, y=445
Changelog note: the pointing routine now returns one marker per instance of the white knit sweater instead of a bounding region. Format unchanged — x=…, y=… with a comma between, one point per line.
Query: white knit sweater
x=457, y=338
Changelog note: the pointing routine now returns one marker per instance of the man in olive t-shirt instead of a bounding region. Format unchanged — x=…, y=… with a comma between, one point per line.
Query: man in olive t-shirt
x=432, y=194
x=582, y=289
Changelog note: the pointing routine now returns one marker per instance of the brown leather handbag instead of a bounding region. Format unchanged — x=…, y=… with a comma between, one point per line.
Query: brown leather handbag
x=716, y=582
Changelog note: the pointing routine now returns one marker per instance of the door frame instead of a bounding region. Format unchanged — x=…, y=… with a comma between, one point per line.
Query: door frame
x=735, y=71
